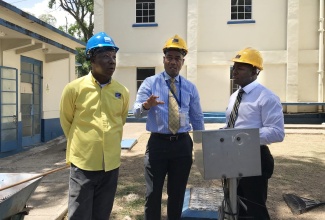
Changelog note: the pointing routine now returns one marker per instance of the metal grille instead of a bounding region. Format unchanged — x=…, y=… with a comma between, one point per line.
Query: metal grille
x=206, y=199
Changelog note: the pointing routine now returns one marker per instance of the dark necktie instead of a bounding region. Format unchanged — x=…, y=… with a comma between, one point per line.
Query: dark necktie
x=173, y=113
x=234, y=112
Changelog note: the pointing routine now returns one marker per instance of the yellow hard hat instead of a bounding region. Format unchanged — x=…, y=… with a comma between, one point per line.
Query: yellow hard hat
x=251, y=56
x=177, y=43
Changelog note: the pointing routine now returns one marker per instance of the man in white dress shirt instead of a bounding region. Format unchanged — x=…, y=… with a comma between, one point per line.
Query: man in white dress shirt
x=259, y=108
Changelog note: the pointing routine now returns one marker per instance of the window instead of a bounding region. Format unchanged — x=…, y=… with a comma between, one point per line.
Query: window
x=241, y=9
x=233, y=86
x=143, y=73
x=145, y=11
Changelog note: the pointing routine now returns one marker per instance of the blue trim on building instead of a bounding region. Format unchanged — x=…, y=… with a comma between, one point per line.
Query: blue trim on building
x=19, y=145
x=9, y=153
x=38, y=21
x=220, y=117
x=304, y=118
x=209, y=117
x=303, y=103
x=241, y=22
x=145, y=25
x=51, y=129
x=20, y=134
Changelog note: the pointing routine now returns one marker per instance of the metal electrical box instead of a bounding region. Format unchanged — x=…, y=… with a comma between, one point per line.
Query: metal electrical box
x=227, y=153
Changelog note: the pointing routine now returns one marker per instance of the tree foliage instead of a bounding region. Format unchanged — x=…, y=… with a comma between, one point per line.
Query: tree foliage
x=48, y=18
x=83, y=13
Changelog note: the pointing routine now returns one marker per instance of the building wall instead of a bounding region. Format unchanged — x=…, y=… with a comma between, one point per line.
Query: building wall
x=215, y=35
x=54, y=79
x=149, y=39
x=55, y=76
x=24, y=37
x=286, y=33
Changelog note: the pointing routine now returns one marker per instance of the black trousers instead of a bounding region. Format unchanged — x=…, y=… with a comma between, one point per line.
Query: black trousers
x=91, y=193
x=253, y=190
x=171, y=157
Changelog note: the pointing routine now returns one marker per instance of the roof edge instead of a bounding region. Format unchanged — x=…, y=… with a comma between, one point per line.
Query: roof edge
x=38, y=21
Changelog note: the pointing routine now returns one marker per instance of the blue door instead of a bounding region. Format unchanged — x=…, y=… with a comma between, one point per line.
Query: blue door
x=30, y=96
x=9, y=109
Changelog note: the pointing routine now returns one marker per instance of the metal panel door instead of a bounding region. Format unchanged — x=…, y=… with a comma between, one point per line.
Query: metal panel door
x=30, y=95
x=9, y=109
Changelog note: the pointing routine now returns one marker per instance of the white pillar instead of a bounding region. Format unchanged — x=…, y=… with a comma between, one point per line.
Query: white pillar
x=292, y=54
x=192, y=34
x=321, y=55
x=99, y=16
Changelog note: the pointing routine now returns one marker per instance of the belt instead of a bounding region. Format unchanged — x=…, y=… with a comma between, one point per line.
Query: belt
x=170, y=137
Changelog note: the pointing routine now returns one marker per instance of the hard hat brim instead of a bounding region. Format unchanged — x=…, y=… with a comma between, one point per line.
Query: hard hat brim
x=240, y=61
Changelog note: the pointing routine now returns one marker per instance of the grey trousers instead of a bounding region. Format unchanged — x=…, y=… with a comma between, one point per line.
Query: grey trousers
x=91, y=194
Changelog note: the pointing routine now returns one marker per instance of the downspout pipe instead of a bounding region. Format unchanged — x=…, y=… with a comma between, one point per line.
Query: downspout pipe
x=321, y=55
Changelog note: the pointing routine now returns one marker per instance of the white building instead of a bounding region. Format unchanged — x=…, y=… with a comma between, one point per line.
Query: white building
x=36, y=62
x=289, y=34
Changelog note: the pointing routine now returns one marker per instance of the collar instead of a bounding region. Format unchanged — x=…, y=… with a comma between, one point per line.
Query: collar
x=248, y=88
x=96, y=82
x=167, y=77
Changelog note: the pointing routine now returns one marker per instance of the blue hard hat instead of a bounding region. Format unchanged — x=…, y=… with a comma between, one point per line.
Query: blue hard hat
x=100, y=39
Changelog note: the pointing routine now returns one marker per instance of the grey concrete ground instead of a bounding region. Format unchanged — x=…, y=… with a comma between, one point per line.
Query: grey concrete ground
x=50, y=199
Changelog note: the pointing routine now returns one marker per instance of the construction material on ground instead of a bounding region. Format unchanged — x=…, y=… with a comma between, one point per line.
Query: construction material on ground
x=128, y=143
x=202, y=203
x=13, y=199
x=299, y=205
x=16, y=189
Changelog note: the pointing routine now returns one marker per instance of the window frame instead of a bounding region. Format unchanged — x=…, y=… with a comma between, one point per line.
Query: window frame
x=143, y=73
x=233, y=87
x=145, y=13
x=240, y=16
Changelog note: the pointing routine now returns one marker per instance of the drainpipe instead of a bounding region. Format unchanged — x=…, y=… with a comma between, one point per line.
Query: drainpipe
x=321, y=54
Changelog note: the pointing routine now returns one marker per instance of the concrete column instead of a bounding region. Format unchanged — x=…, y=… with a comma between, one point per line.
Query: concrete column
x=99, y=15
x=321, y=56
x=292, y=54
x=192, y=34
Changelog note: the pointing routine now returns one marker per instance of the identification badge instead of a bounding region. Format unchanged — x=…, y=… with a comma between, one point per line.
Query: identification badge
x=182, y=119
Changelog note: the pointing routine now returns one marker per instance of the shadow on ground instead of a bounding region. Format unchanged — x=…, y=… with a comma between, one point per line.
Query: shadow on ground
x=298, y=169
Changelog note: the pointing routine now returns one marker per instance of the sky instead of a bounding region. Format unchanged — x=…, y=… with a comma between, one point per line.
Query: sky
x=39, y=7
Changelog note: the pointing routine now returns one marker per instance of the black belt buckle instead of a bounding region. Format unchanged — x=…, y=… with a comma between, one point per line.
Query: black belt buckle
x=173, y=138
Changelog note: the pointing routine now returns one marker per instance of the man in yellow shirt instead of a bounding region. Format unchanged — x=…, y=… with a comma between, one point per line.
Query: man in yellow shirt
x=93, y=111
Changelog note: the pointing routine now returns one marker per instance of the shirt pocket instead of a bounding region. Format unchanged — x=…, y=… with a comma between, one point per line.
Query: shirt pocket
x=115, y=107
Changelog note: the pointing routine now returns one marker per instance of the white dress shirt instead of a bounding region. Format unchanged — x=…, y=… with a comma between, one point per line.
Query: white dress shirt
x=259, y=108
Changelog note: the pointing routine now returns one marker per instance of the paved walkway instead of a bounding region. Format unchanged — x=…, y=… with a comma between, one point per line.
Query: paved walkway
x=50, y=199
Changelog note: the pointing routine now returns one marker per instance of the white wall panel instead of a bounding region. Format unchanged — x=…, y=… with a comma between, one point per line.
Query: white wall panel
x=120, y=15
x=308, y=24
x=308, y=82
x=214, y=87
x=286, y=33
x=127, y=76
x=274, y=78
x=268, y=33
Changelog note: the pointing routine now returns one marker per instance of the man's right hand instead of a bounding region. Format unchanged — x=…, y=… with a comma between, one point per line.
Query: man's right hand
x=152, y=101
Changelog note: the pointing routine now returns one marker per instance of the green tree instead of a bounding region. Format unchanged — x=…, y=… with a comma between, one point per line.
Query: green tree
x=48, y=18
x=83, y=13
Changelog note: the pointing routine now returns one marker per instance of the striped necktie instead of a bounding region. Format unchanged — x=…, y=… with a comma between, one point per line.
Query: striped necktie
x=173, y=113
x=234, y=112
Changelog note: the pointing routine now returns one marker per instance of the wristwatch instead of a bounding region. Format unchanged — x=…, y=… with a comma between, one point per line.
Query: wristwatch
x=144, y=107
